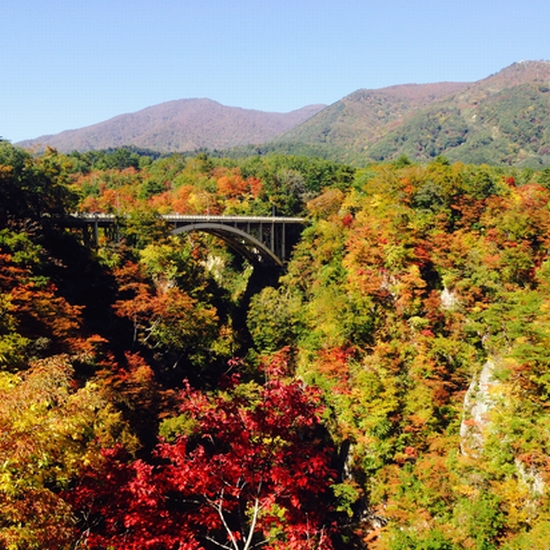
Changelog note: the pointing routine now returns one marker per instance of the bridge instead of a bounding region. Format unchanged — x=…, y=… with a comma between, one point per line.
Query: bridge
x=262, y=240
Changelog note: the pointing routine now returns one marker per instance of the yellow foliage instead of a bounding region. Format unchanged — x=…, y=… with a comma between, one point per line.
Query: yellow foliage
x=48, y=433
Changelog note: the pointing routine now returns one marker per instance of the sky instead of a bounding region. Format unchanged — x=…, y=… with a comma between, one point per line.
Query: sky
x=66, y=64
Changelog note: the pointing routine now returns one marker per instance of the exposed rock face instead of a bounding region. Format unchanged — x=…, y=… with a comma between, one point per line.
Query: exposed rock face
x=478, y=402
x=449, y=299
x=531, y=477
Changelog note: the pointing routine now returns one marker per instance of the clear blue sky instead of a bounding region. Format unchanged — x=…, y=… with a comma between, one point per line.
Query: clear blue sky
x=71, y=63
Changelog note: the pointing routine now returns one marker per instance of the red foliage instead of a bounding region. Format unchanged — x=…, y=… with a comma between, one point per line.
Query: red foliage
x=255, y=469
x=38, y=310
x=347, y=219
x=255, y=186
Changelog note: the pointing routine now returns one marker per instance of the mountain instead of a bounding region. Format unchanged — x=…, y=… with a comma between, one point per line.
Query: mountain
x=502, y=119
x=181, y=125
x=349, y=126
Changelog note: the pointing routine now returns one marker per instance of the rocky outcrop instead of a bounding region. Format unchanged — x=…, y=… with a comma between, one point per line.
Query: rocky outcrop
x=482, y=397
x=478, y=402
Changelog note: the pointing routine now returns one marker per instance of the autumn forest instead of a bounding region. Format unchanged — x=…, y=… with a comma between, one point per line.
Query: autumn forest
x=388, y=389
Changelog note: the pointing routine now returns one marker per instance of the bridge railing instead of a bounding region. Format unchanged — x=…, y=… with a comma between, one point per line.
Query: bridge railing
x=89, y=217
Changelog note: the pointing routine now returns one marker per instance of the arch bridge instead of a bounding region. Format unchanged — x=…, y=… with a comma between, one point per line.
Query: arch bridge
x=262, y=240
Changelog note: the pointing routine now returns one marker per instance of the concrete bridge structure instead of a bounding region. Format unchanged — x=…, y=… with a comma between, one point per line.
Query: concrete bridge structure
x=262, y=240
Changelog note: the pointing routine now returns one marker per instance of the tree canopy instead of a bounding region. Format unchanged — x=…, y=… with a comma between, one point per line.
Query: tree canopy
x=390, y=391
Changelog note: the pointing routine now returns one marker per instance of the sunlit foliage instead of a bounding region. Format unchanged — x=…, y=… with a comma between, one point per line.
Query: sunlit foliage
x=411, y=408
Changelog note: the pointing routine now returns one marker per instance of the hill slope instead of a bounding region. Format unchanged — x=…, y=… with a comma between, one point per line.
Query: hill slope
x=365, y=116
x=500, y=119
x=181, y=125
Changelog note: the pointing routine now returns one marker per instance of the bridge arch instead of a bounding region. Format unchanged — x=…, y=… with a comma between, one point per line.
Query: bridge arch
x=264, y=241
x=242, y=242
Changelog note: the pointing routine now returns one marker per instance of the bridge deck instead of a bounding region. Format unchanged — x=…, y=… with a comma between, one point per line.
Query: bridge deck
x=255, y=219
x=259, y=238
x=107, y=219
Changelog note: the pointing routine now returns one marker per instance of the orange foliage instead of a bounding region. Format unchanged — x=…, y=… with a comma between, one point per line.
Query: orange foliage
x=180, y=200
x=231, y=185
x=334, y=364
x=162, y=202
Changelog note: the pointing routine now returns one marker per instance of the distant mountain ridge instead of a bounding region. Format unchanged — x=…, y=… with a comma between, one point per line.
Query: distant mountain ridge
x=350, y=125
x=501, y=119
x=180, y=125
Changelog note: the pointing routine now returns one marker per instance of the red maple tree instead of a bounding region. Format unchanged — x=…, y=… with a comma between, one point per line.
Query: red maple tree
x=252, y=469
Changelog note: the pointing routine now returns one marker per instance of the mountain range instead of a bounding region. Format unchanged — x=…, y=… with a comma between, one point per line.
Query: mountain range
x=501, y=119
x=180, y=125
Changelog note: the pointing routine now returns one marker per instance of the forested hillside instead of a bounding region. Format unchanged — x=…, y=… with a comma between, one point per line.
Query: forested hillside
x=389, y=391
x=499, y=120
x=180, y=125
x=347, y=128
x=502, y=119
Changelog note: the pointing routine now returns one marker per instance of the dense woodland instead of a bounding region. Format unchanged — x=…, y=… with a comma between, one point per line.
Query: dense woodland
x=389, y=391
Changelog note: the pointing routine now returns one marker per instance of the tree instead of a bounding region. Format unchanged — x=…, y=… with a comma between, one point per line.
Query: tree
x=48, y=432
x=270, y=320
x=165, y=318
x=33, y=189
x=249, y=467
